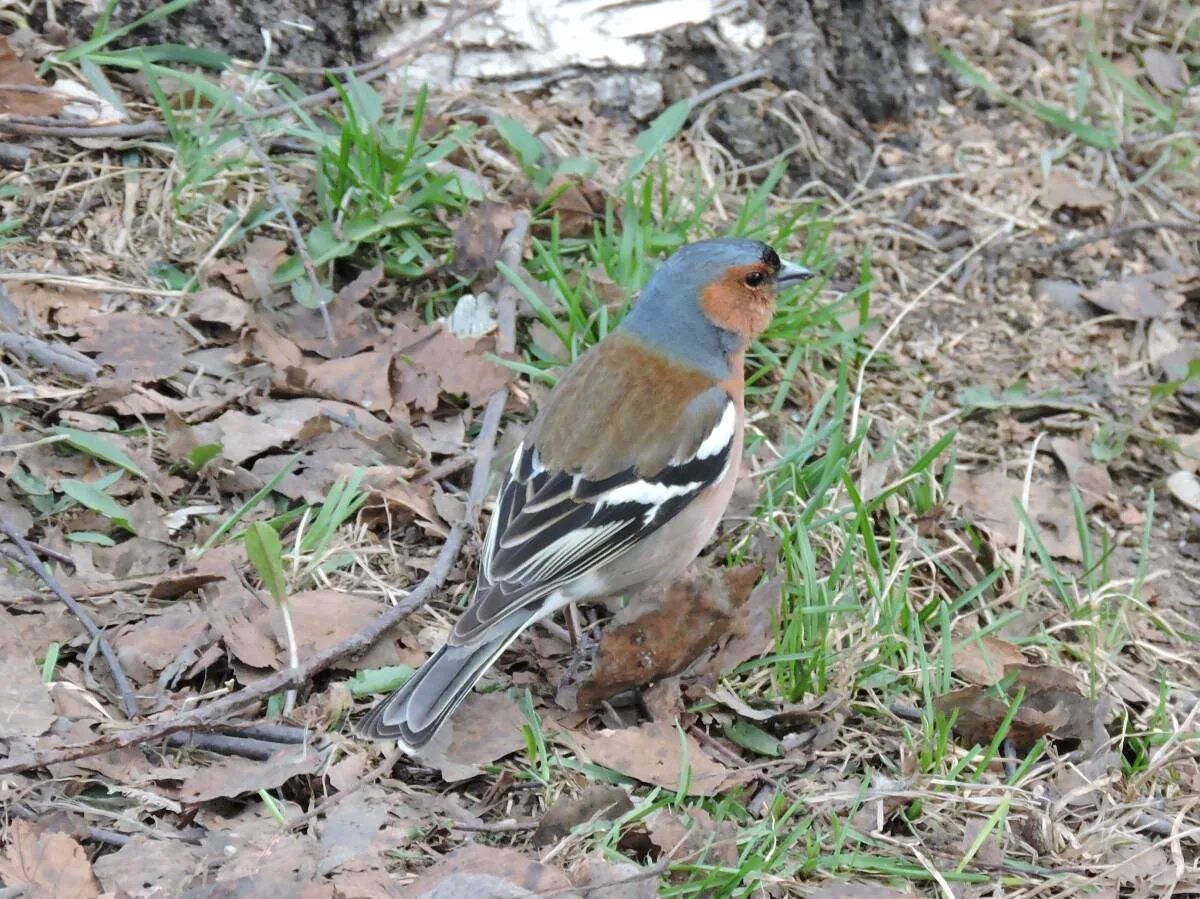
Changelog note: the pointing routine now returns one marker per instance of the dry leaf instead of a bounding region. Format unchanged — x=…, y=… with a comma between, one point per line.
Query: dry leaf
x=487, y=727
x=138, y=346
x=697, y=836
x=323, y=618
x=146, y=868
x=214, y=305
x=478, y=237
x=363, y=380
x=25, y=706
x=1168, y=71
x=352, y=828
x=49, y=864
x=235, y=776
x=1093, y=480
x=485, y=871
x=15, y=72
x=1185, y=487
x=148, y=646
x=578, y=206
x=1050, y=706
x=242, y=436
x=653, y=753
x=1139, y=297
x=599, y=878
x=432, y=361
x=645, y=643
x=598, y=802
x=753, y=631
x=1066, y=187
x=987, y=498
x=983, y=660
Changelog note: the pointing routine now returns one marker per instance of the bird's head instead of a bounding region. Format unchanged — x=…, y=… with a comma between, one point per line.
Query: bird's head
x=712, y=297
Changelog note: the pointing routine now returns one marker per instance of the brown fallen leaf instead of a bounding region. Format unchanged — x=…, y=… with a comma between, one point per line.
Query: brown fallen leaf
x=236, y=776
x=1066, y=187
x=598, y=878
x=50, y=864
x=1050, y=706
x=1168, y=71
x=139, y=346
x=352, y=828
x=695, y=835
x=987, y=499
x=653, y=753
x=25, y=706
x=148, y=646
x=433, y=361
x=1091, y=478
x=1144, y=296
x=478, y=237
x=481, y=871
x=753, y=630
x=984, y=660
x=145, y=868
x=644, y=642
x=251, y=275
x=322, y=618
x=16, y=73
x=173, y=586
x=486, y=728
x=242, y=436
x=363, y=380
x=259, y=859
x=217, y=306
x=578, y=206
x=598, y=802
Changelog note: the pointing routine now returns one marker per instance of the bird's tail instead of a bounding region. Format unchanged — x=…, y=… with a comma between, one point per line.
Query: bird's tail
x=415, y=712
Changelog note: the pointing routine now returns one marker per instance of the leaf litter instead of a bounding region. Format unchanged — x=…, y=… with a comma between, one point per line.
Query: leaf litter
x=402, y=392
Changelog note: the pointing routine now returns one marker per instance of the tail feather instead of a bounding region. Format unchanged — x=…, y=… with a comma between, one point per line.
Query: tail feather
x=415, y=712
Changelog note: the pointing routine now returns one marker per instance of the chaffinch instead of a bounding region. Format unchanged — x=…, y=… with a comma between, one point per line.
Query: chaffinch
x=623, y=476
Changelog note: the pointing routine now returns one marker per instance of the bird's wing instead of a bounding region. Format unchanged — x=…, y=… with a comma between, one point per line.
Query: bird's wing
x=551, y=527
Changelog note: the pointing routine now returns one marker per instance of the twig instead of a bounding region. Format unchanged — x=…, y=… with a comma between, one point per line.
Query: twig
x=242, y=747
x=207, y=715
x=23, y=554
x=715, y=90
x=53, y=355
x=495, y=827
x=1070, y=246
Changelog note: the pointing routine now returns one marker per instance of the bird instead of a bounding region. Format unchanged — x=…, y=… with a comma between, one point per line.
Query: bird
x=623, y=476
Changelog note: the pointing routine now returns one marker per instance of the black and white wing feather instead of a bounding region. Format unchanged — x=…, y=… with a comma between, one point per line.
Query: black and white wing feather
x=553, y=527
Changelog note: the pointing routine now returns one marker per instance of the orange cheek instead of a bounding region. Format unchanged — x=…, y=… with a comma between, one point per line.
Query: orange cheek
x=735, y=307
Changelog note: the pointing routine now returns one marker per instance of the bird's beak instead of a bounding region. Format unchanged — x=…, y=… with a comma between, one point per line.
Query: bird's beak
x=790, y=273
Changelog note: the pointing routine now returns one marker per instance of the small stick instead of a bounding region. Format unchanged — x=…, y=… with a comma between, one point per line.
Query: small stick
x=1070, y=246
x=715, y=90
x=23, y=554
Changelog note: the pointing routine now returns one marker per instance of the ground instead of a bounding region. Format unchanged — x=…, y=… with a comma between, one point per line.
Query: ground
x=945, y=642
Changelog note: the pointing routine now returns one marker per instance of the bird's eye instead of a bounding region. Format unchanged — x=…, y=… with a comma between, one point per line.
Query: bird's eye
x=755, y=278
